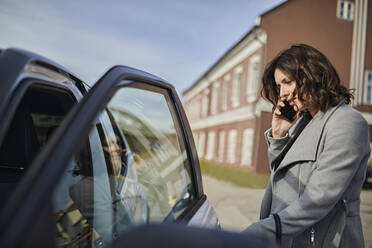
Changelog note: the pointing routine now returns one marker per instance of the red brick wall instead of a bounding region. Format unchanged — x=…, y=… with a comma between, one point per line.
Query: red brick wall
x=239, y=126
x=314, y=23
x=261, y=163
x=243, y=98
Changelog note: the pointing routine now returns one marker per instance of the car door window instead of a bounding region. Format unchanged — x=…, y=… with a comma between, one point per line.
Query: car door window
x=151, y=128
x=84, y=205
x=132, y=169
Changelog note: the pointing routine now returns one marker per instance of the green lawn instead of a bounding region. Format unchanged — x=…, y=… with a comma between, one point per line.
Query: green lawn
x=237, y=176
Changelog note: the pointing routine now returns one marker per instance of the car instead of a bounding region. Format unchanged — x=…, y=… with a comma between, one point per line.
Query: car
x=180, y=236
x=80, y=165
x=368, y=179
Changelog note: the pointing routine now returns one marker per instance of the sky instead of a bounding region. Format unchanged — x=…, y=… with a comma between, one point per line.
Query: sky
x=177, y=40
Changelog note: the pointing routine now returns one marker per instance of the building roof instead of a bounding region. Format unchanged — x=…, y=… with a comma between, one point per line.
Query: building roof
x=220, y=59
x=276, y=7
x=230, y=50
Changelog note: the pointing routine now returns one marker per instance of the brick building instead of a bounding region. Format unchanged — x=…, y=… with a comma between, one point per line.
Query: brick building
x=224, y=107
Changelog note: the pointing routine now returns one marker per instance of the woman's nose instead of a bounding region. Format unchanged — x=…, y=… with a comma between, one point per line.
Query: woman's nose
x=284, y=92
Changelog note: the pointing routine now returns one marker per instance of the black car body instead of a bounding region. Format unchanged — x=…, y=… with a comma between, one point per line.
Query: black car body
x=368, y=179
x=79, y=166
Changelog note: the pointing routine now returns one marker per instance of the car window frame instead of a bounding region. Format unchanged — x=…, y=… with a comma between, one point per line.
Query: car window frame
x=18, y=94
x=182, y=126
x=39, y=182
x=14, y=68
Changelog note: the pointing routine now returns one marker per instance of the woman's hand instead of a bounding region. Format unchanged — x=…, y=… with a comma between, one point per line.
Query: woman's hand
x=279, y=125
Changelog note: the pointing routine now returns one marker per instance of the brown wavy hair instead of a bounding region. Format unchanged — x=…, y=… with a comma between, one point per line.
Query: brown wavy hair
x=318, y=85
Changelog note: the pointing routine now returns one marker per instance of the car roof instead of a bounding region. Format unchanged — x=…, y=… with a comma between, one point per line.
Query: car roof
x=31, y=57
x=16, y=63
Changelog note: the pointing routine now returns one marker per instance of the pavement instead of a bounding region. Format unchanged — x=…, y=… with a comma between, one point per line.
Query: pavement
x=237, y=207
x=366, y=215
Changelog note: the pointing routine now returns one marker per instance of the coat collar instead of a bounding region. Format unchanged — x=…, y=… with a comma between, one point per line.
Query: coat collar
x=306, y=145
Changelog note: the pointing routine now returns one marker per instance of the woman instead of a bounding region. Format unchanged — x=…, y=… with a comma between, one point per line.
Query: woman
x=312, y=198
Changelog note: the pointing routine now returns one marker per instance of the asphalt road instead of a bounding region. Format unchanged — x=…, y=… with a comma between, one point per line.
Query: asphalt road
x=238, y=207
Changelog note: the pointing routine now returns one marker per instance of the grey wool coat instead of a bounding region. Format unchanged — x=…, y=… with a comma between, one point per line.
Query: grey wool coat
x=316, y=189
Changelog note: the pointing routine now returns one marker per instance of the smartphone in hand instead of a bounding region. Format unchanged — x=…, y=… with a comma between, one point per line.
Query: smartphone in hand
x=288, y=112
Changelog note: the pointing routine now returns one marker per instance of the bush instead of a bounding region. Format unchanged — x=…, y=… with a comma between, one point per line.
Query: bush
x=236, y=176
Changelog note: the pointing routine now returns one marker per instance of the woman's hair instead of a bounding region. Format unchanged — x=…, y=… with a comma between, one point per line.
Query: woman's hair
x=317, y=82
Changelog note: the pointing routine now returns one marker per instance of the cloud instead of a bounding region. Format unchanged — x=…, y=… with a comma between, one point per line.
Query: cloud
x=176, y=40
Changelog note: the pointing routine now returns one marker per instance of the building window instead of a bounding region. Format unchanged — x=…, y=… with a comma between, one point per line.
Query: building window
x=231, y=146
x=196, y=108
x=345, y=10
x=247, y=146
x=214, y=99
x=195, y=135
x=205, y=103
x=221, y=146
x=189, y=109
x=225, y=87
x=210, y=142
x=253, y=77
x=368, y=88
x=201, y=144
x=193, y=109
x=235, y=95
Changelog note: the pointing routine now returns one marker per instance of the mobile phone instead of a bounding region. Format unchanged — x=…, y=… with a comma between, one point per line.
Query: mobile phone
x=288, y=111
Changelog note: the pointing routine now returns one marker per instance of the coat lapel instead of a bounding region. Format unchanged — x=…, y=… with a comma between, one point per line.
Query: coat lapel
x=306, y=145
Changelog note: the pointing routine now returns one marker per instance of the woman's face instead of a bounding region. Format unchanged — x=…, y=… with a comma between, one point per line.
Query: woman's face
x=286, y=88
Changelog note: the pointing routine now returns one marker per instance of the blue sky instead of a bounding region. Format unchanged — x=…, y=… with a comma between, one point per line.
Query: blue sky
x=176, y=40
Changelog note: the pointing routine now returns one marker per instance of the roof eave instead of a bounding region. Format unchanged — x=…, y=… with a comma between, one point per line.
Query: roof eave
x=227, y=53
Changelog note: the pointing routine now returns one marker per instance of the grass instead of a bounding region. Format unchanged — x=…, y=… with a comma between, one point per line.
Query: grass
x=236, y=176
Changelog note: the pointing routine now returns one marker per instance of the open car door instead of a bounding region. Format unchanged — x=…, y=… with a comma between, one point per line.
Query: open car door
x=122, y=157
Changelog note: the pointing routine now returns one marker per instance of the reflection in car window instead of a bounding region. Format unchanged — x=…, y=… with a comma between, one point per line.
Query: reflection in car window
x=149, y=125
x=132, y=169
x=88, y=209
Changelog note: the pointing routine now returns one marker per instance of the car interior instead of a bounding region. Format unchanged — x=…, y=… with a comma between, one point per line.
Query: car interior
x=39, y=112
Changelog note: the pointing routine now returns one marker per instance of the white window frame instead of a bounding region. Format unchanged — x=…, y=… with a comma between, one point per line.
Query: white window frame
x=232, y=140
x=247, y=147
x=201, y=144
x=196, y=140
x=368, y=87
x=210, y=145
x=205, y=103
x=192, y=110
x=197, y=108
x=225, y=88
x=254, y=66
x=236, y=85
x=221, y=146
x=345, y=10
x=214, y=98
